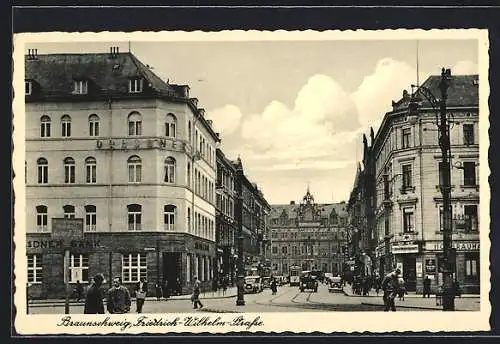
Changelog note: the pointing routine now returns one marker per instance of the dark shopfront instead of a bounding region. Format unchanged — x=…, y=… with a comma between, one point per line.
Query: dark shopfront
x=406, y=257
x=131, y=255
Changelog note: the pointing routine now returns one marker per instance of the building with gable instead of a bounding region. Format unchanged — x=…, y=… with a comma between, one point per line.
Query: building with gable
x=307, y=234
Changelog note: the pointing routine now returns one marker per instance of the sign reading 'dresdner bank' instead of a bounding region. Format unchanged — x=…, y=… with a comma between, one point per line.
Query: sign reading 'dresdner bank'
x=458, y=245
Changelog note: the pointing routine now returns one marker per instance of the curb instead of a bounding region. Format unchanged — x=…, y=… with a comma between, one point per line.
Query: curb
x=403, y=306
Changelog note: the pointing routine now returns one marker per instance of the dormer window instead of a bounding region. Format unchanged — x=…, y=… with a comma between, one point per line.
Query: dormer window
x=28, y=87
x=80, y=87
x=135, y=85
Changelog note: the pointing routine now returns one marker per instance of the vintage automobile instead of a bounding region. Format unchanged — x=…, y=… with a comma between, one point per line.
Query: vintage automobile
x=308, y=281
x=253, y=284
x=335, y=285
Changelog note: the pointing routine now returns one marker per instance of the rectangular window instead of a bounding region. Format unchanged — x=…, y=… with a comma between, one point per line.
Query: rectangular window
x=69, y=174
x=78, y=268
x=407, y=176
x=406, y=137
x=469, y=173
x=43, y=173
x=94, y=128
x=468, y=134
x=408, y=225
x=134, y=221
x=80, y=87
x=35, y=270
x=472, y=265
x=134, y=267
x=90, y=221
x=41, y=222
x=135, y=86
x=28, y=88
x=274, y=250
x=45, y=129
x=471, y=217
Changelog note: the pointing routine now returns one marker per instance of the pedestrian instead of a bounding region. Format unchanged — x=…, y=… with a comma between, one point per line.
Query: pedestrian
x=93, y=300
x=377, y=283
x=225, y=282
x=195, y=297
x=427, y=287
x=390, y=287
x=78, y=291
x=118, y=298
x=178, y=288
x=402, y=289
x=141, y=290
x=274, y=286
x=166, y=291
x=215, y=286
x=158, y=291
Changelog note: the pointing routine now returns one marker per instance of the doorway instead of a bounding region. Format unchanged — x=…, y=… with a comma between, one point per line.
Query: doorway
x=410, y=273
x=172, y=267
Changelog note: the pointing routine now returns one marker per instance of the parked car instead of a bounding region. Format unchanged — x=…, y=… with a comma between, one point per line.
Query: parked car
x=253, y=284
x=335, y=285
x=308, y=281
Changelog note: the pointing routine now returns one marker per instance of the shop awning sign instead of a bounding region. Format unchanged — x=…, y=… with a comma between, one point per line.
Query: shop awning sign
x=458, y=245
x=404, y=249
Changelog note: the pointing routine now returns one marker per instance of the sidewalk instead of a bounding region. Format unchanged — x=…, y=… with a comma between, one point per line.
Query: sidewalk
x=230, y=292
x=348, y=292
x=467, y=302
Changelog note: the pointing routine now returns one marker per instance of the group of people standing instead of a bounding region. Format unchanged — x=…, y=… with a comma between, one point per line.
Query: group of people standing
x=118, y=297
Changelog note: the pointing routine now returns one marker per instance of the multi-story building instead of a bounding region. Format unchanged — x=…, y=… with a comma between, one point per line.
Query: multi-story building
x=252, y=213
x=133, y=157
x=224, y=220
x=406, y=149
x=309, y=234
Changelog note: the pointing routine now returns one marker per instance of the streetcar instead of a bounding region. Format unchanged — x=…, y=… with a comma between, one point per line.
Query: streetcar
x=295, y=275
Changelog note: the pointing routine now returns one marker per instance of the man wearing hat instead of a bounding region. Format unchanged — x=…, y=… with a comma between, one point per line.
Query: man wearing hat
x=390, y=286
x=93, y=301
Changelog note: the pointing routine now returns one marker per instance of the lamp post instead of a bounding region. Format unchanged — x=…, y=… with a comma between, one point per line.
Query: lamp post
x=449, y=253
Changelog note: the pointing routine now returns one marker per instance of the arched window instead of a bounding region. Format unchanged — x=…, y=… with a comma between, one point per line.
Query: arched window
x=190, y=137
x=45, y=126
x=94, y=125
x=188, y=174
x=43, y=170
x=66, y=126
x=169, y=217
x=41, y=218
x=90, y=170
x=69, y=211
x=69, y=170
x=134, y=169
x=134, y=124
x=169, y=170
x=170, y=125
x=134, y=217
x=90, y=218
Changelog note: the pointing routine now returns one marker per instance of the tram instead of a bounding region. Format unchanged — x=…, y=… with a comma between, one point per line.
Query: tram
x=295, y=275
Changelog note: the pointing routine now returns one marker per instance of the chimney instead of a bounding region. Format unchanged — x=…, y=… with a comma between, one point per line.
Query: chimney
x=114, y=51
x=32, y=54
x=185, y=91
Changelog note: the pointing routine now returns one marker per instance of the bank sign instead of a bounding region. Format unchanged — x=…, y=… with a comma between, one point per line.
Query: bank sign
x=458, y=245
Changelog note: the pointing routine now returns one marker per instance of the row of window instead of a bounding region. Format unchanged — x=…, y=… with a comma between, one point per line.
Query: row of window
x=81, y=87
x=134, y=217
x=391, y=144
x=134, y=267
x=203, y=186
x=202, y=226
x=469, y=175
x=134, y=168
x=303, y=249
x=225, y=204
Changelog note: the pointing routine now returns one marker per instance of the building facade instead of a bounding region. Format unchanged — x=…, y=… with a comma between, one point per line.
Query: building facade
x=309, y=235
x=408, y=213
x=225, y=220
x=133, y=157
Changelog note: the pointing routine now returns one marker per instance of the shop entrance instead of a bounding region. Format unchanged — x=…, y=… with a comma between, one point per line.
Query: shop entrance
x=410, y=273
x=172, y=266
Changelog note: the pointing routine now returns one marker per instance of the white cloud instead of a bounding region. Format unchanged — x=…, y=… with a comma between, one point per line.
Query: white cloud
x=464, y=68
x=226, y=119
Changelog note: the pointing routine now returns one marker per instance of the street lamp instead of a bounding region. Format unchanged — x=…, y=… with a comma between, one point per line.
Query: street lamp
x=449, y=254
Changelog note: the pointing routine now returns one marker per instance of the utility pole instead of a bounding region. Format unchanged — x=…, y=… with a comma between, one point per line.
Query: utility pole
x=444, y=143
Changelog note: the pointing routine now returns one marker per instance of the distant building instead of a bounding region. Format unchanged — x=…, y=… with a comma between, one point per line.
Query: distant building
x=132, y=156
x=309, y=235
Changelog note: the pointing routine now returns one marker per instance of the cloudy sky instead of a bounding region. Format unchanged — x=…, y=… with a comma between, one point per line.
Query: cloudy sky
x=295, y=110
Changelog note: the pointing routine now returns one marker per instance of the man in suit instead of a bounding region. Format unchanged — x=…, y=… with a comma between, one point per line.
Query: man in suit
x=93, y=301
x=141, y=289
x=118, y=298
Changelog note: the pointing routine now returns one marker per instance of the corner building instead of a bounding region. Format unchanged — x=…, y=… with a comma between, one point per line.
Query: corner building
x=407, y=150
x=133, y=157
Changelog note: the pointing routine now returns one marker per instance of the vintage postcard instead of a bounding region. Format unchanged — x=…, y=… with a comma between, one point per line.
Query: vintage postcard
x=237, y=181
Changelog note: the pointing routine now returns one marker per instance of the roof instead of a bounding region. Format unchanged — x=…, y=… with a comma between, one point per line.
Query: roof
x=291, y=210
x=463, y=91
x=108, y=76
